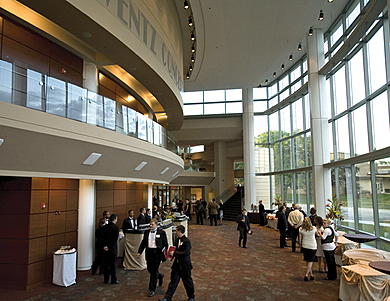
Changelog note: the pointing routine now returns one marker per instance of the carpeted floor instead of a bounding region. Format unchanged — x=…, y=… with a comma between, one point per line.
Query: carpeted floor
x=222, y=272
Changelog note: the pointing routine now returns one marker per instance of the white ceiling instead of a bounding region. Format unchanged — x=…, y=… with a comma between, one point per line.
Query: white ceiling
x=240, y=43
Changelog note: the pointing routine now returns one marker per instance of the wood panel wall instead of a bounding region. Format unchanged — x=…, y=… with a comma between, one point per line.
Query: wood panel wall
x=30, y=233
x=119, y=197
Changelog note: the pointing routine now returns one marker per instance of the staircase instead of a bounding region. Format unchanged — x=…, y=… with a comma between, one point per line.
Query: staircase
x=232, y=207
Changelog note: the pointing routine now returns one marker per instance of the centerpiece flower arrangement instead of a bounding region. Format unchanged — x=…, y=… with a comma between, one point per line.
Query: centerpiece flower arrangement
x=334, y=209
x=278, y=201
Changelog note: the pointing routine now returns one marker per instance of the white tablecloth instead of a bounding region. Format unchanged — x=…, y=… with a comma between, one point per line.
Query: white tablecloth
x=364, y=256
x=272, y=221
x=360, y=282
x=64, y=269
x=343, y=244
x=131, y=262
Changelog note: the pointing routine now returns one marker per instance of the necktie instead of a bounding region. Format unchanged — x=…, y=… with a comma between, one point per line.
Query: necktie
x=154, y=231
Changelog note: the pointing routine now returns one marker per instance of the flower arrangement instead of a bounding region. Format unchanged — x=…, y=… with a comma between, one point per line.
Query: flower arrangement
x=334, y=208
x=278, y=201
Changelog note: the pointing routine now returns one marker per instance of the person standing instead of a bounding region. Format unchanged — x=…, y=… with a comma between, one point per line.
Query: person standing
x=187, y=209
x=99, y=259
x=141, y=220
x=199, y=213
x=129, y=223
x=243, y=226
x=106, y=216
x=181, y=267
x=148, y=216
x=204, y=204
x=213, y=211
x=220, y=213
x=261, y=213
x=110, y=242
x=295, y=219
x=329, y=246
x=154, y=242
x=282, y=225
x=307, y=241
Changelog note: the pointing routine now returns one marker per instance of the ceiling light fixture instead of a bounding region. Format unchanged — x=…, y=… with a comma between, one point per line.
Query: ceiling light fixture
x=164, y=171
x=282, y=67
x=190, y=67
x=1, y=141
x=186, y=6
x=192, y=59
x=321, y=16
x=299, y=47
x=290, y=58
x=311, y=31
x=330, y=1
x=187, y=75
x=193, y=49
x=274, y=74
x=140, y=166
x=92, y=158
x=192, y=37
x=266, y=81
x=175, y=174
x=259, y=86
x=190, y=23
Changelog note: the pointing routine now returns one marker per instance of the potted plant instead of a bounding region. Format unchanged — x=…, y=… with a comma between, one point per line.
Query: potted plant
x=278, y=201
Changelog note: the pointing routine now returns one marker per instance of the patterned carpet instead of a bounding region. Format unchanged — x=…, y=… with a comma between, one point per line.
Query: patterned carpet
x=222, y=272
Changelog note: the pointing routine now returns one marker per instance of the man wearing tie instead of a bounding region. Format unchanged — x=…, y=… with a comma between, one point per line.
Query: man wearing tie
x=243, y=226
x=154, y=241
x=129, y=223
x=148, y=216
x=141, y=220
x=181, y=267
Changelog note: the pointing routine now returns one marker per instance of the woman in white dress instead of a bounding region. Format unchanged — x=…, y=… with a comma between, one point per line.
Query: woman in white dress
x=320, y=251
x=307, y=241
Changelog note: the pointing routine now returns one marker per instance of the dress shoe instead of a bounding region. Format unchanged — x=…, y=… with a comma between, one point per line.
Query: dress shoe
x=151, y=294
x=191, y=299
x=286, y=246
x=244, y=247
x=305, y=278
x=160, y=279
x=116, y=282
x=311, y=278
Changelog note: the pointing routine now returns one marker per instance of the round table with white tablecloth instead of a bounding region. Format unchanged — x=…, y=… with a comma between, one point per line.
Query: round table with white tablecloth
x=272, y=221
x=64, y=268
x=364, y=256
x=132, y=242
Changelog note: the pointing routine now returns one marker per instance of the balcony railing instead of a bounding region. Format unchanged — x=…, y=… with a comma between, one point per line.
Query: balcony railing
x=31, y=89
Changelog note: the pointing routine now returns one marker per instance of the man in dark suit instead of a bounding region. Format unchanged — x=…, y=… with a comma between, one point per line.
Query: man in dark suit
x=99, y=244
x=181, y=267
x=261, y=213
x=154, y=241
x=129, y=223
x=243, y=226
x=110, y=239
x=148, y=216
x=141, y=220
x=282, y=225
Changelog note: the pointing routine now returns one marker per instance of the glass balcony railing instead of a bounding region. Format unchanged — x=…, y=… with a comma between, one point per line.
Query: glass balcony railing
x=37, y=91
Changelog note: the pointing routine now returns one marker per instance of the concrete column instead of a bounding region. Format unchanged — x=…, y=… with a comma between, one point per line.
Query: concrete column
x=86, y=229
x=249, y=148
x=223, y=168
x=150, y=196
x=91, y=81
x=319, y=122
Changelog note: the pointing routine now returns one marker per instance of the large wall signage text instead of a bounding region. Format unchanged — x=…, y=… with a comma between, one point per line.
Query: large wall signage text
x=134, y=20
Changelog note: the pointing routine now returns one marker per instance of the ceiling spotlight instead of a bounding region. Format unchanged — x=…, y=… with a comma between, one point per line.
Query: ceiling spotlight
x=311, y=31
x=192, y=37
x=192, y=59
x=321, y=16
x=186, y=6
x=274, y=74
x=190, y=23
x=290, y=58
x=299, y=47
x=266, y=81
x=282, y=67
x=259, y=86
x=330, y=1
x=188, y=75
x=190, y=67
x=193, y=48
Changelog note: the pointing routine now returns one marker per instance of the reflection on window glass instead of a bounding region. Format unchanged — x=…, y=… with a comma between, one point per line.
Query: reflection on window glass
x=364, y=198
x=109, y=113
x=285, y=122
x=214, y=96
x=94, y=109
x=261, y=159
x=326, y=46
x=297, y=115
x=346, y=195
x=273, y=90
x=382, y=182
x=296, y=73
x=77, y=103
x=277, y=185
x=300, y=192
x=141, y=126
x=275, y=156
x=299, y=150
x=296, y=86
x=286, y=154
x=233, y=94
x=34, y=90
x=132, y=118
x=307, y=111
x=233, y=107
x=331, y=146
x=259, y=93
x=214, y=108
x=287, y=187
x=262, y=190
x=376, y=60
x=193, y=110
x=157, y=134
x=284, y=95
x=342, y=138
x=273, y=101
x=357, y=77
x=308, y=148
x=56, y=97
x=352, y=13
x=340, y=92
x=283, y=83
x=193, y=97
x=5, y=81
x=328, y=98
x=336, y=34
x=274, y=126
x=360, y=135
x=304, y=66
x=380, y=121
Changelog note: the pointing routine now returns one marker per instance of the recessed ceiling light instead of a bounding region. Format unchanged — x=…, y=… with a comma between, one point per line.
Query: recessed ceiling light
x=175, y=174
x=164, y=171
x=1, y=141
x=86, y=35
x=140, y=166
x=92, y=159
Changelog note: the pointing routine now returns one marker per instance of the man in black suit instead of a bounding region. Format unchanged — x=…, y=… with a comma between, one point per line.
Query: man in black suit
x=243, y=226
x=282, y=225
x=141, y=220
x=129, y=223
x=99, y=244
x=154, y=241
x=148, y=216
x=261, y=213
x=181, y=267
x=110, y=238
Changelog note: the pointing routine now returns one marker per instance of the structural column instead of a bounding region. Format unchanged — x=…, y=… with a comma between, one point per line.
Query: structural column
x=150, y=196
x=249, y=148
x=319, y=121
x=91, y=80
x=86, y=229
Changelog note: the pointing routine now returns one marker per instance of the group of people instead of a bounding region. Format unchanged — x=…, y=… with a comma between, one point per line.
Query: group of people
x=316, y=237
x=215, y=211
x=154, y=243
